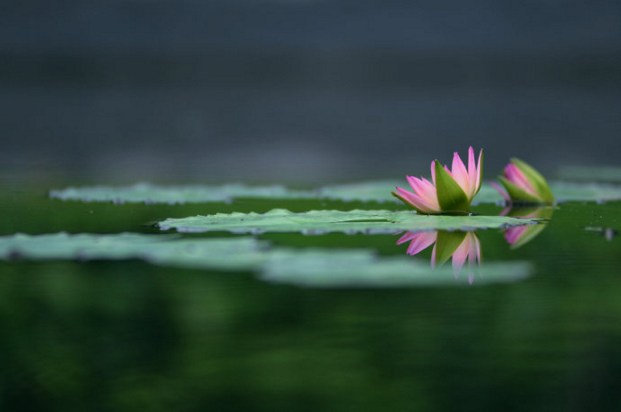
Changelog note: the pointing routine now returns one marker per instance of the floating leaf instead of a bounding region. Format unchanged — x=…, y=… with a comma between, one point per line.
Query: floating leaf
x=376, y=191
x=237, y=253
x=591, y=174
x=325, y=221
x=379, y=191
x=148, y=193
x=359, y=268
x=587, y=192
x=305, y=267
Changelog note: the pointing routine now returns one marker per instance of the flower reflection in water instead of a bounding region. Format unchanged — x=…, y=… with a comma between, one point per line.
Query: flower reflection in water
x=521, y=235
x=462, y=247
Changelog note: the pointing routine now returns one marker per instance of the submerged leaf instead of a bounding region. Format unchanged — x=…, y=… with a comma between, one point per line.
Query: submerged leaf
x=325, y=221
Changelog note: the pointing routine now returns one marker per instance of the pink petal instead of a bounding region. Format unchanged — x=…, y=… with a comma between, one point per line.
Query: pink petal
x=426, y=192
x=469, y=249
x=479, y=170
x=472, y=167
x=515, y=176
x=459, y=257
x=422, y=187
x=416, y=201
x=501, y=190
x=476, y=251
x=514, y=234
x=460, y=174
x=421, y=241
x=505, y=211
x=407, y=236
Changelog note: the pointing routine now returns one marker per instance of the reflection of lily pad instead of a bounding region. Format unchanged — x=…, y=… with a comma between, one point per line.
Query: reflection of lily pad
x=378, y=191
x=148, y=193
x=309, y=267
x=325, y=221
x=334, y=269
x=230, y=253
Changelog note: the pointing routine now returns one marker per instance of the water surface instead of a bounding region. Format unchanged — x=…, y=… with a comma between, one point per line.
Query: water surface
x=126, y=335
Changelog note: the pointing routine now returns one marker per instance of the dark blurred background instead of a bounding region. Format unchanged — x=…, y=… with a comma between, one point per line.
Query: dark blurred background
x=303, y=91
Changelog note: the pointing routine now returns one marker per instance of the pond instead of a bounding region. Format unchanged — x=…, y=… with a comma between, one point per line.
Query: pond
x=528, y=318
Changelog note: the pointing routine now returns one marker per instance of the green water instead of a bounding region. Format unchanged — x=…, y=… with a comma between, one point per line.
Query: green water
x=127, y=335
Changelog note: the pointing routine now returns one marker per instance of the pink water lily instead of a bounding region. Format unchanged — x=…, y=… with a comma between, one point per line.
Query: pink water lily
x=467, y=250
x=521, y=183
x=450, y=190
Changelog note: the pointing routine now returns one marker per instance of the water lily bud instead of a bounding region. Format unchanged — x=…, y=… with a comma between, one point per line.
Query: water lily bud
x=523, y=184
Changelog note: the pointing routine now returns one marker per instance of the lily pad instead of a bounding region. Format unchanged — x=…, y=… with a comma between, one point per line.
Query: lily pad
x=591, y=174
x=360, y=268
x=326, y=221
x=379, y=191
x=563, y=192
x=239, y=253
x=376, y=191
x=149, y=193
x=304, y=267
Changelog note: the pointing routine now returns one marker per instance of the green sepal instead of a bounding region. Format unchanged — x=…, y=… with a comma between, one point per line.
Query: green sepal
x=451, y=197
x=446, y=244
x=536, y=179
x=516, y=194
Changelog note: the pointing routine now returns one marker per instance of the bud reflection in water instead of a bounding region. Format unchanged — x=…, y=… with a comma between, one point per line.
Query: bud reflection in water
x=521, y=235
x=462, y=247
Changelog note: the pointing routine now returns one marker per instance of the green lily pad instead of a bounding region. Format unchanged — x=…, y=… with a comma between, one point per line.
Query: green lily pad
x=376, y=191
x=149, y=193
x=563, y=192
x=326, y=221
x=360, y=268
x=237, y=253
x=591, y=174
x=304, y=267
x=379, y=191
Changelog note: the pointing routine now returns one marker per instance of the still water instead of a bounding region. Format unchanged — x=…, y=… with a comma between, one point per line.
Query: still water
x=127, y=335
